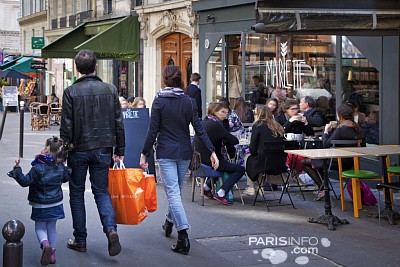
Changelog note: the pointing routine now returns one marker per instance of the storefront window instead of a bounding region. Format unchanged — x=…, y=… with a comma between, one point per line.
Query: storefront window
x=361, y=89
x=214, y=75
x=286, y=66
x=105, y=70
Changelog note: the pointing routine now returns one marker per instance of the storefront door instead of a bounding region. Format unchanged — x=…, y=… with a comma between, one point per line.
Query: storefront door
x=176, y=49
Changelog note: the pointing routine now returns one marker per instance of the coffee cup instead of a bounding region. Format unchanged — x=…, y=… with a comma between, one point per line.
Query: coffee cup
x=293, y=137
x=333, y=124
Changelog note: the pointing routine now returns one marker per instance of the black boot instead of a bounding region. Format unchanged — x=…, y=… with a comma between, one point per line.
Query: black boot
x=182, y=245
x=167, y=226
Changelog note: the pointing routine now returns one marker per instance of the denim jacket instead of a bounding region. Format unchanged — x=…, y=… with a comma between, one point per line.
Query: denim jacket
x=44, y=180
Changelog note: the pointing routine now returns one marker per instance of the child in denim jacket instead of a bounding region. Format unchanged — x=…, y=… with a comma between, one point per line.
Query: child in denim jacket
x=45, y=178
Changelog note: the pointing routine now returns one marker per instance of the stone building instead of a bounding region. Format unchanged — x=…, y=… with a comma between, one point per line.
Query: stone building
x=169, y=34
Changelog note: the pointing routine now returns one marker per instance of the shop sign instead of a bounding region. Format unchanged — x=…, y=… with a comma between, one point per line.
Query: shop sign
x=277, y=70
x=38, y=65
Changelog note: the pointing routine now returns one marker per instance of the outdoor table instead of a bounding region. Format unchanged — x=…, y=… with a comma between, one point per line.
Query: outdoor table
x=326, y=154
x=382, y=151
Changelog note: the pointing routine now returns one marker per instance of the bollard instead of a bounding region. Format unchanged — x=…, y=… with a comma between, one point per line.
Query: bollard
x=4, y=120
x=13, y=248
x=21, y=128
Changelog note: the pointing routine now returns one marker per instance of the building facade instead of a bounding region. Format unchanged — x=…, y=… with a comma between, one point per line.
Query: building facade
x=169, y=36
x=71, y=24
x=9, y=28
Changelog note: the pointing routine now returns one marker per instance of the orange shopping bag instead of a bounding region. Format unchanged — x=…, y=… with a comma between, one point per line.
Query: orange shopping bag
x=148, y=184
x=126, y=195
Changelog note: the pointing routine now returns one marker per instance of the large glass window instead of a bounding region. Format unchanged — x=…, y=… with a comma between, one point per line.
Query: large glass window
x=360, y=83
x=214, y=75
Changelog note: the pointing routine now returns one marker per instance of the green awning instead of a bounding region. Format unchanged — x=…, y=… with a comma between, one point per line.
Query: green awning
x=120, y=41
x=116, y=38
x=9, y=64
x=22, y=65
x=63, y=47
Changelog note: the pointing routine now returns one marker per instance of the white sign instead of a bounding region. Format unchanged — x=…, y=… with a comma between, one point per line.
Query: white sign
x=10, y=95
x=277, y=71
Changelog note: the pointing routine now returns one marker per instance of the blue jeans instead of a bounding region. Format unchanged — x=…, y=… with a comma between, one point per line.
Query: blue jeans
x=235, y=173
x=173, y=173
x=98, y=162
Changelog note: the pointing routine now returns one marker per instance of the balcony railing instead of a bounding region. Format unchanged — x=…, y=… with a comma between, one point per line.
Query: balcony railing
x=150, y=2
x=63, y=22
x=72, y=21
x=54, y=23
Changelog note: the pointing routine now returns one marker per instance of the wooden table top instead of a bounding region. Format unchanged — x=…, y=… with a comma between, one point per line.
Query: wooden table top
x=381, y=150
x=326, y=153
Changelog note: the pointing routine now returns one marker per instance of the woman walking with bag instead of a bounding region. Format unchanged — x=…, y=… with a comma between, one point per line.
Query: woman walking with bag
x=171, y=113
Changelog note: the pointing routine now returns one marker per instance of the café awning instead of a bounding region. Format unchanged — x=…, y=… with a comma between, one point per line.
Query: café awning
x=341, y=15
x=9, y=64
x=121, y=41
x=116, y=38
x=63, y=47
x=22, y=65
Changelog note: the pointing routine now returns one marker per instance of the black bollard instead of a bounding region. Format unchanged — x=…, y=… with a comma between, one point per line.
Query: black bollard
x=4, y=120
x=13, y=248
x=21, y=129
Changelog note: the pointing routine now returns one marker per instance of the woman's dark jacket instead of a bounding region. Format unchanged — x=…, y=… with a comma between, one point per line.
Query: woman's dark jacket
x=296, y=127
x=343, y=132
x=218, y=135
x=256, y=161
x=44, y=180
x=169, y=124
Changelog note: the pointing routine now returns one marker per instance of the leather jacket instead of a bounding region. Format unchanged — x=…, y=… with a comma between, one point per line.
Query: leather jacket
x=44, y=181
x=91, y=116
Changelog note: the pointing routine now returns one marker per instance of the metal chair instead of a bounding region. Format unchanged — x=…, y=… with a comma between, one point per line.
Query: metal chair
x=275, y=165
x=208, y=173
x=388, y=186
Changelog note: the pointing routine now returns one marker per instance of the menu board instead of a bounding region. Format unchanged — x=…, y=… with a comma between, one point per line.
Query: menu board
x=10, y=95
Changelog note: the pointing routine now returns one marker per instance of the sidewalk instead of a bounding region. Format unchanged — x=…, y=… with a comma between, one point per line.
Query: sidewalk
x=240, y=235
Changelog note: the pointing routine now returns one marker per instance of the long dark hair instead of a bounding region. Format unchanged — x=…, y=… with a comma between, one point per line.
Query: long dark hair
x=241, y=108
x=346, y=113
x=172, y=76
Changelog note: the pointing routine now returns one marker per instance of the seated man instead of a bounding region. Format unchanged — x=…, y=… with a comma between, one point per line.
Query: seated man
x=313, y=115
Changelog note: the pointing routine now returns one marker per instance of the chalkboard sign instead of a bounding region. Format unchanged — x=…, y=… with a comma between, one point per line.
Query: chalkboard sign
x=136, y=123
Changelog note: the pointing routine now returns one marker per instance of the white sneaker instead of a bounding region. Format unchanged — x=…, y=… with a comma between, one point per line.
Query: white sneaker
x=249, y=191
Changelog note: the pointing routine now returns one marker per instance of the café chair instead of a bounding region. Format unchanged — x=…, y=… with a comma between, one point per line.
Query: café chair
x=204, y=173
x=355, y=175
x=274, y=157
x=392, y=171
x=55, y=113
x=40, y=117
x=319, y=131
x=388, y=186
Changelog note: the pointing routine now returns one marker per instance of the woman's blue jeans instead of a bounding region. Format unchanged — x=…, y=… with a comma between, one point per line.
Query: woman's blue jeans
x=173, y=173
x=98, y=163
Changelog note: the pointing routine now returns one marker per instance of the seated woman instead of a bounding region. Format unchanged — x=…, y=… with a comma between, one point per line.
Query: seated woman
x=265, y=129
x=273, y=105
x=346, y=130
x=232, y=123
x=243, y=111
x=371, y=128
x=292, y=121
x=219, y=136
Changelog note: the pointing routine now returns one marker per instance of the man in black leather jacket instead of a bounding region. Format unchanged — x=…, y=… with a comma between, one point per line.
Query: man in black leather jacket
x=92, y=126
